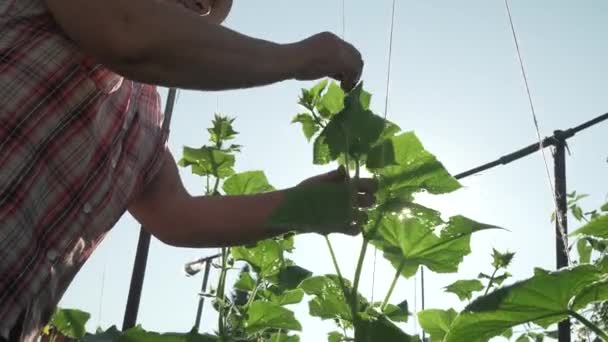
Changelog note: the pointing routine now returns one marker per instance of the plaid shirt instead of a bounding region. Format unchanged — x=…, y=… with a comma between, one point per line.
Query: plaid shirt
x=77, y=142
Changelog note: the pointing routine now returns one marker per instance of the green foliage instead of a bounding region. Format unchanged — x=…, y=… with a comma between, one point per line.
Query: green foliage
x=329, y=301
x=409, y=243
x=544, y=299
x=266, y=257
x=597, y=227
x=397, y=313
x=381, y=330
x=247, y=183
x=436, y=322
x=70, y=322
x=501, y=260
x=464, y=288
x=138, y=334
x=266, y=315
x=215, y=159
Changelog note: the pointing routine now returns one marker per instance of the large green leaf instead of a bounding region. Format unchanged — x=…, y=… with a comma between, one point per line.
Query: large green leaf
x=381, y=329
x=544, y=299
x=70, y=322
x=329, y=301
x=594, y=292
x=266, y=315
x=208, y=161
x=247, y=183
x=464, y=288
x=409, y=243
x=266, y=257
x=138, y=334
x=354, y=130
x=436, y=322
x=598, y=227
x=416, y=169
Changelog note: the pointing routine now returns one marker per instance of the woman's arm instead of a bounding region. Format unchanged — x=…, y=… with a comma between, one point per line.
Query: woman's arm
x=175, y=217
x=160, y=43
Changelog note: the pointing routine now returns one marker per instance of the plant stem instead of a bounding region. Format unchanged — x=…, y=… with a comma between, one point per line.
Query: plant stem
x=221, y=294
x=336, y=266
x=254, y=293
x=393, y=285
x=354, y=300
x=490, y=283
x=599, y=332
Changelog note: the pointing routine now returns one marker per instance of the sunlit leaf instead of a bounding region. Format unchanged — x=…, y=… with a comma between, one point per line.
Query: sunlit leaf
x=464, y=288
x=266, y=315
x=436, y=322
x=208, y=161
x=287, y=297
x=309, y=126
x=247, y=183
x=335, y=336
x=416, y=169
x=283, y=338
x=266, y=257
x=70, y=322
x=409, y=243
x=598, y=227
x=584, y=251
x=329, y=301
x=332, y=102
x=543, y=299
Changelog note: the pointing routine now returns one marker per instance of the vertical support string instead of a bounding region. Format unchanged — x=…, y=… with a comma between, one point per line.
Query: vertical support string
x=560, y=221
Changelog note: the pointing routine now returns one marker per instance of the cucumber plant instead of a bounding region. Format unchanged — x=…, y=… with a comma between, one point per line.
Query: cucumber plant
x=579, y=292
x=410, y=235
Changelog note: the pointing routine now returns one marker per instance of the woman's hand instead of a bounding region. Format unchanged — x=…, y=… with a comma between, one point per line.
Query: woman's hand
x=330, y=56
x=356, y=197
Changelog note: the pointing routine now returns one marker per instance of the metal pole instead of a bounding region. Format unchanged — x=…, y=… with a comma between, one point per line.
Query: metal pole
x=561, y=222
x=137, y=280
x=143, y=245
x=201, y=300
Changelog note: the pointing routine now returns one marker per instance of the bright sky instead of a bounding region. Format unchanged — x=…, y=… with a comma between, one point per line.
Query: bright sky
x=455, y=81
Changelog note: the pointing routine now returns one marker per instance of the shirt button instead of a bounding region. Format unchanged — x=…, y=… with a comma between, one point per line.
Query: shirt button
x=52, y=255
x=87, y=208
x=114, y=163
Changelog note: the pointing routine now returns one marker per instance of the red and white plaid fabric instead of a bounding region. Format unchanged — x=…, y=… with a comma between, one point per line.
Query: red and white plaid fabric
x=76, y=143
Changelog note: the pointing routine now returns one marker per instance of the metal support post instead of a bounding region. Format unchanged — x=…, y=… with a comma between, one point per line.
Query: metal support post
x=561, y=221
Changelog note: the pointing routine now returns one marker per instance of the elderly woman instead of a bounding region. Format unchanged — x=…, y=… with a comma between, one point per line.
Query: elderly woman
x=82, y=138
